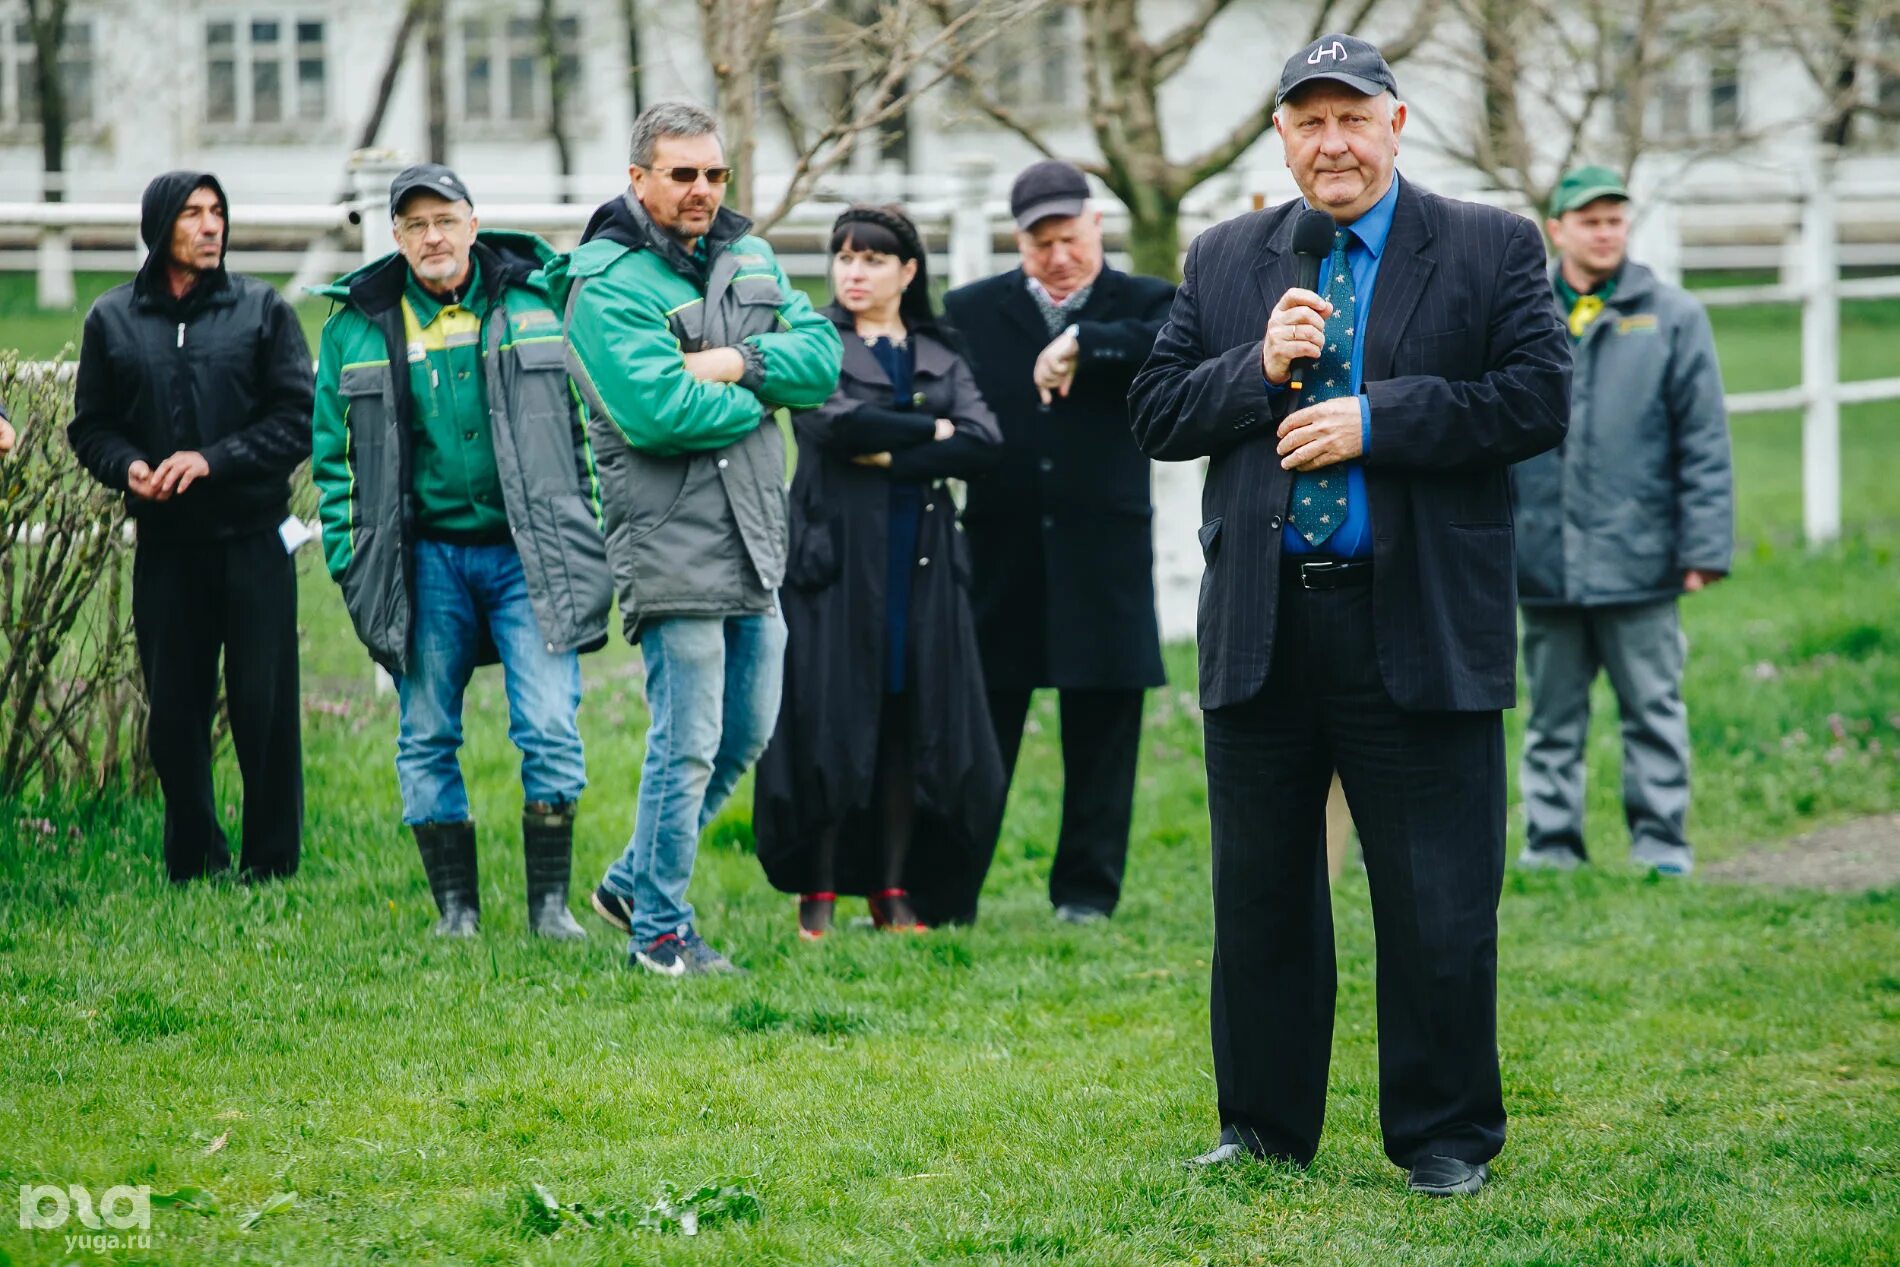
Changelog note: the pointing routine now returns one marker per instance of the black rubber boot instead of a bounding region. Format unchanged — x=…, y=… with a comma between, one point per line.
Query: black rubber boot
x=448, y=855
x=547, y=843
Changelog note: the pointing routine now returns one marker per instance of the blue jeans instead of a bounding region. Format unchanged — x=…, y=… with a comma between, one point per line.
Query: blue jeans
x=713, y=691
x=458, y=590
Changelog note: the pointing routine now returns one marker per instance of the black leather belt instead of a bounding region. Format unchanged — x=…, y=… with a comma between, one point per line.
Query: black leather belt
x=1328, y=574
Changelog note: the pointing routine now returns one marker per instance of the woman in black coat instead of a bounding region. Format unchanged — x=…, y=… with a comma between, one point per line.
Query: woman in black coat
x=883, y=778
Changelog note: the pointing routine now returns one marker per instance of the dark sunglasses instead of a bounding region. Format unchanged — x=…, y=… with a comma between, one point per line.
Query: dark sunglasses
x=688, y=175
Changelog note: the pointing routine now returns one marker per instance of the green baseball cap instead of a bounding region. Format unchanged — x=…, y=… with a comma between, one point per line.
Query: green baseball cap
x=1585, y=185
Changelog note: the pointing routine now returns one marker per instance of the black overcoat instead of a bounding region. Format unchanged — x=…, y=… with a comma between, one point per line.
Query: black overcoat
x=818, y=769
x=1062, y=534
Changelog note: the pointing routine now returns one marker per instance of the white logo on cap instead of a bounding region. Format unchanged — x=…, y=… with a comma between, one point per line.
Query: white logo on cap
x=1335, y=50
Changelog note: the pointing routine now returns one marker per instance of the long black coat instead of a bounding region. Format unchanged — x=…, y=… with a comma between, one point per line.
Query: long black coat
x=1062, y=535
x=818, y=770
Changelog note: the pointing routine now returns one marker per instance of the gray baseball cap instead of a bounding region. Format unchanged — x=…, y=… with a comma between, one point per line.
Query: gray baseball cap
x=1049, y=188
x=426, y=178
x=1343, y=59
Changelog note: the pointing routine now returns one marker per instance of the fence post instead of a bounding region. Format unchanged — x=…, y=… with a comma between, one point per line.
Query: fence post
x=969, y=220
x=55, y=266
x=1820, y=354
x=370, y=172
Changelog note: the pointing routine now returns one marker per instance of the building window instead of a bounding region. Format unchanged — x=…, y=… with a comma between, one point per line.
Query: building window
x=504, y=77
x=1035, y=68
x=265, y=71
x=20, y=79
x=1725, y=86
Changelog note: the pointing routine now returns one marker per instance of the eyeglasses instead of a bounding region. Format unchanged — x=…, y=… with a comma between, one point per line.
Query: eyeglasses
x=689, y=175
x=418, y=228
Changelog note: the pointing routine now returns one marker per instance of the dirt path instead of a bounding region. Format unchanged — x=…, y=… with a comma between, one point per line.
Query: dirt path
x=1846, y=858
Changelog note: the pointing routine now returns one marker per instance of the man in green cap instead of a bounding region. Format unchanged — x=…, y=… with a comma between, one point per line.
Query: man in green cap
x=1635, y=508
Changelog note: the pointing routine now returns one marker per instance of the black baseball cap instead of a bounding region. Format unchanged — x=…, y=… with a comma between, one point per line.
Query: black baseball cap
x=1049, y=188
x=426, y=178
x=1342, y=59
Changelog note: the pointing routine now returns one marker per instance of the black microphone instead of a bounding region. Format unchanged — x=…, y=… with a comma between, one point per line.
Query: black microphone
x=1313, y=235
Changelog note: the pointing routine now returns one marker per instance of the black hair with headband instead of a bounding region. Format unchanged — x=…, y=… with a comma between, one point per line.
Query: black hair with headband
x=888, y=231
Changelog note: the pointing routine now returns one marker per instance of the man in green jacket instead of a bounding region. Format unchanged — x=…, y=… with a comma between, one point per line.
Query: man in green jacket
x=684, y=336
x=460, y=514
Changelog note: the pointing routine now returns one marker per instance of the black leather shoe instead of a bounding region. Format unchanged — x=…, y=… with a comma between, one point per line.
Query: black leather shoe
x=1448, y=1177
x=448, y=856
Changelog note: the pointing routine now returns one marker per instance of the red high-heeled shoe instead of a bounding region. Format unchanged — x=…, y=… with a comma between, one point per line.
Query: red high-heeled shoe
x=814, y=915
x=891, y=912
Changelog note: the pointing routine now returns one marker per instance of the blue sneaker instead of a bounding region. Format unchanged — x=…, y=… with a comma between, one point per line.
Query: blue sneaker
x=703, y=959
x=665, y=955
x=1672, y=860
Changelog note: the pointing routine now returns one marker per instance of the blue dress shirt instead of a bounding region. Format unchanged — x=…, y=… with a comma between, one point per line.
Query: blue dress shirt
x=1365, y=243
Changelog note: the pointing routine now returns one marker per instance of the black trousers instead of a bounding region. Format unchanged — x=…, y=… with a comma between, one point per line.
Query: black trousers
x=1427, y=794
x=189, y=601
x=1101, y=737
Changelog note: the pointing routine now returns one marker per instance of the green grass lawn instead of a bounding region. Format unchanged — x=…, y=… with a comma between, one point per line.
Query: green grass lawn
x=1696, y=1074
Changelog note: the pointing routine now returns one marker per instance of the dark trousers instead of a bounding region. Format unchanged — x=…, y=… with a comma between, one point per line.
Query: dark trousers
x=1101, y=737
x=1427, y=794
x=189, y=601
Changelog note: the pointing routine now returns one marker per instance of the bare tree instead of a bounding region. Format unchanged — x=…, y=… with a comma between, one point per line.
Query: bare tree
x=436, y=82
x=1124, y=74
x=558, y=61
x=738, y=42
x=1553, y=84
x=393, y=59
x=46, y=21
x=1851, y=50
x=870, y=65
x=859, y=70
x=636, y=93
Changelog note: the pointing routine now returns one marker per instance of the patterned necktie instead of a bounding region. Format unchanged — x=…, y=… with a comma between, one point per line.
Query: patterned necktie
x=1319, y=497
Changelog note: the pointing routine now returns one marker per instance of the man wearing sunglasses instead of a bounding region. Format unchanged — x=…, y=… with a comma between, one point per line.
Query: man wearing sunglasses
x=684, y=336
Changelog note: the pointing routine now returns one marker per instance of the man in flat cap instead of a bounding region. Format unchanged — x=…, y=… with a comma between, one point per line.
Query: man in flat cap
x=1358, y=612
x=1061, y=536
x=459, y=514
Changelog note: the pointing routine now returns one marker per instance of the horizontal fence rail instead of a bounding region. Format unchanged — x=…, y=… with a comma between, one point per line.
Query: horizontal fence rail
x=967, y=227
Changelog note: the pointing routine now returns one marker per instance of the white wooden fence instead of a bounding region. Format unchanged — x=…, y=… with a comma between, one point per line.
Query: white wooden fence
x=968, y=229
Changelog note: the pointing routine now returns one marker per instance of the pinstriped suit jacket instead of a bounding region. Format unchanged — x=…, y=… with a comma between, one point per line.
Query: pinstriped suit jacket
x=1467, y=371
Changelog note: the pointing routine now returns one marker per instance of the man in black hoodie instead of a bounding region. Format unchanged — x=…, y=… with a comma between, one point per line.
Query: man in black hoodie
x=194, y=398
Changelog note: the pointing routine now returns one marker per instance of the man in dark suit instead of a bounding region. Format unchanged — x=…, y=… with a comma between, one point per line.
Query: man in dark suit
x=1357, y=611
x=1061, y=536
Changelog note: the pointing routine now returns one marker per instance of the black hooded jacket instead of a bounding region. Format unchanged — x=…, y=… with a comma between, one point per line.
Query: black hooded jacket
x=224, y=371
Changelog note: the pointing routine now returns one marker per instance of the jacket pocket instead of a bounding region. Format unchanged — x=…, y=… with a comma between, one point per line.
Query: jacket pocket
x=541, y=416
x=640, y=492
x=1210, y=539
x=365, y=393
x=814, y=562
x=758, y=290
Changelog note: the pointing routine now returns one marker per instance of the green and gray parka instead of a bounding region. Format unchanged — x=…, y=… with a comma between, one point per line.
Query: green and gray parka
x=692, y=474
x=363, y=440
